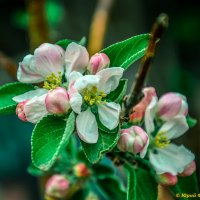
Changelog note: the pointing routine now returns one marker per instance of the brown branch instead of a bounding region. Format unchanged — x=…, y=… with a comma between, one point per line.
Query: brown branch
x=157, y=30
x=38, y=26
x=8, y=65
x=99, y=26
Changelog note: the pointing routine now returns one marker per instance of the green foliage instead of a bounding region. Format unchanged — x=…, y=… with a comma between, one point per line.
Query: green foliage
x=124, y=53
x=112, y=188
x=118, y=94
x=141, y=184
x=191, y=121
x=105, y=143
x=64, y=43
x=7, y=92
x=185, y=185
x=50, y=137
x=102, y=171
x=35, y=171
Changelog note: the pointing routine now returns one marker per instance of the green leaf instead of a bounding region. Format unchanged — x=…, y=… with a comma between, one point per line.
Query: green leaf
x=7, y=92
x=118, y=94
x=141, y=184
x=123, y=54
x=64, y=43
x=185, y=185
x=112, y=188
x=50, y=137
x=102, y=171
x=105, y=143
x=34, y=171
x=191, y=121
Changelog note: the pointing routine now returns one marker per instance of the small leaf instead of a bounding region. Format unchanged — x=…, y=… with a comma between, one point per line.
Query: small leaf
x=185, y=185
x=102, y=171
x=50, y=137
x=141, y=184
x=7, y=92
x=191, y=121
x=118, y=94
x=123, y=54
x=64, y=43
x=112, y=188
x=105, y=143
x=34, y=171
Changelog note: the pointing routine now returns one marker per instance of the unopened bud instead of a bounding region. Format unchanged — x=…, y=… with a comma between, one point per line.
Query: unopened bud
x=166, y=179
x=133, y=140
x=57, y=101
x=189, y=170
x=20, y=111
x=57, y=186
x=98, y=62
x=172, y=104
x=81, y=170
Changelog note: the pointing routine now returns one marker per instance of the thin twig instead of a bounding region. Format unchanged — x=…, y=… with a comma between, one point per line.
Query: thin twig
x=99, y=26
x=157, y=30
x=38, y=26
x=8, y=65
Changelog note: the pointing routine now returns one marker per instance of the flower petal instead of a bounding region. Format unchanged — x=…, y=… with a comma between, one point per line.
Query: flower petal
x=76, y=101
x=35, y=109
x=150, y=114
x=76, y=58
x=109, y=114
x=29, y=95
x=144, y=150
x=73, y=76
x=48, y=59
x=87, y=128
x=172, y=159
x=25, y=74
x=174, y=127
x=110, y=78
x=86, y=81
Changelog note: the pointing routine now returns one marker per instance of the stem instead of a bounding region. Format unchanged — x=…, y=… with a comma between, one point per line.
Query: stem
x=99, y=26
x=8, y=65
x=157, y=30
x=38, y=27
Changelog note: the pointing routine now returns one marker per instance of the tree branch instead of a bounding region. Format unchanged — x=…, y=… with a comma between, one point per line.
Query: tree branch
x=157, y=30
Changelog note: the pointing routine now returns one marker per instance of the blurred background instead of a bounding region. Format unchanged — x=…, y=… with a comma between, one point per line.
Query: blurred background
x=26, y=24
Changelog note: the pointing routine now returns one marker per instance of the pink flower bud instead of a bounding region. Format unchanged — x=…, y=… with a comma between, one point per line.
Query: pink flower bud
x=81, y=170
x=20, y=111
x=189, y=170
x=166, y=179
x=57, y=101
x=57, y=186
x=98, y=62
x=138, y=111
x=171, y=105
x=133, y=140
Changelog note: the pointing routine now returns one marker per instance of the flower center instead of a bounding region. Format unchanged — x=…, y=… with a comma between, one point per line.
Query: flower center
x=53, y=81
x=93, y=95
x=161, y=141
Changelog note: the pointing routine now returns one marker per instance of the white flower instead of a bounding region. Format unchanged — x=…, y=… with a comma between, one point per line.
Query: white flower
x=92, y=90
x=165, y=156
x=48, y=59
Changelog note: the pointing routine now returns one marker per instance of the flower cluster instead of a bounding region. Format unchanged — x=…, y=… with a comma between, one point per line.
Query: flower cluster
x=69, y=81
x=164, y=120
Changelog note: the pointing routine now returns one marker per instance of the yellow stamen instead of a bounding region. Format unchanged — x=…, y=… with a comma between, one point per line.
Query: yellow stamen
x=93, y=95
x=53, y=81
x=161, y=141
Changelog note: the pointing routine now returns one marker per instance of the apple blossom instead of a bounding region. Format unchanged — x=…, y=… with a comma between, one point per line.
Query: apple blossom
x=138, y=111
x=91, y=90
x=20, y=111
x=57, y=101
x=134, y=140
x=57, y=186
x=98, y=62
x=166, y=157
x=170, y=105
